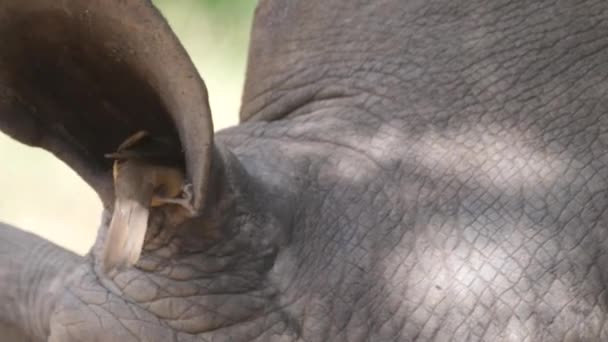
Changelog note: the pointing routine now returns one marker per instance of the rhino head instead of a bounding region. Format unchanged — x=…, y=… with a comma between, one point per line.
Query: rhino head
x=403, y=170
x=76, y=79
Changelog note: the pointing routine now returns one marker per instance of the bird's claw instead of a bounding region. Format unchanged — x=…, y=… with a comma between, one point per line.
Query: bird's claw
x=184, y=201
x=188, y=192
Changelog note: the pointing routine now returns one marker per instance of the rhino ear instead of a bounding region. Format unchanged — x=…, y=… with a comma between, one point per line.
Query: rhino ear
x=78, y=77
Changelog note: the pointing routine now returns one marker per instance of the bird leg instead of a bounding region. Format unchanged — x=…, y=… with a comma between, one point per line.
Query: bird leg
x=184, y=201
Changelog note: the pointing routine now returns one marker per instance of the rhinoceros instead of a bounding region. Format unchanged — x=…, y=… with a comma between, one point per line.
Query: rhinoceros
x=402, y=170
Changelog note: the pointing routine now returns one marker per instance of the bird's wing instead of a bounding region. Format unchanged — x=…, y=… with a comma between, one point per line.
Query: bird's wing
x=126, y=234
x=133, y=188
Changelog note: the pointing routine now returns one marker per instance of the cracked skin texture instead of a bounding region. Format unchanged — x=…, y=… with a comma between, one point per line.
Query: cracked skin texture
x=420, y=171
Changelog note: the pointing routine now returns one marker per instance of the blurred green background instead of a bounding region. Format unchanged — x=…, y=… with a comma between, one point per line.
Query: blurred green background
x=43, y=195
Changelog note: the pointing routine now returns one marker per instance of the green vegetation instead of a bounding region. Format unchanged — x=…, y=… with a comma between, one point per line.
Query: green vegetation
x=223, y=22
x=215, y=34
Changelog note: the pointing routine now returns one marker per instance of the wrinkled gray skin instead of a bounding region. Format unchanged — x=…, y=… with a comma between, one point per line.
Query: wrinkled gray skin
x=404, y=171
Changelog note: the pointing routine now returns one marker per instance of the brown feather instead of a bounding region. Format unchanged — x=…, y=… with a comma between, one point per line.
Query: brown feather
x=126, y=235
x=134, y=185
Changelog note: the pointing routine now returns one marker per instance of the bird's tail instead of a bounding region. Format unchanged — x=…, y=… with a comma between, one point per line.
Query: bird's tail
x=125, y=237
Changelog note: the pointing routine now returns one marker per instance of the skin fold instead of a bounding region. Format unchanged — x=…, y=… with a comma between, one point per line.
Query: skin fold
x=403, y=171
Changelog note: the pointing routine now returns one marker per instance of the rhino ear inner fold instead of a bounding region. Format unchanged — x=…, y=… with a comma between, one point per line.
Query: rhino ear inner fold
x=78, y=77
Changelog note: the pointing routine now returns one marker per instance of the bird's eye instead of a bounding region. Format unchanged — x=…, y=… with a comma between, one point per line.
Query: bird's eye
x=161, y=190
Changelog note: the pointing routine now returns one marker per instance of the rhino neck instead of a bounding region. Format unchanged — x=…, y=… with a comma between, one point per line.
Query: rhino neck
x=33, y=273
x=210, y=276
x=305, y=51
